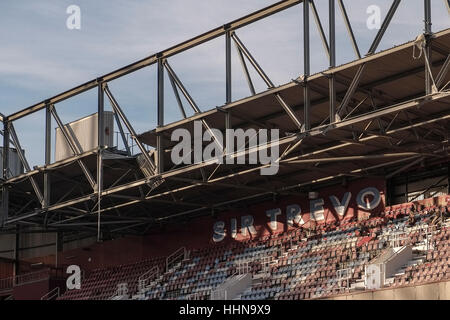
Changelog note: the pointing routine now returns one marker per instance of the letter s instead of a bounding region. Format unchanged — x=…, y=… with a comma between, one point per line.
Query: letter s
x=219, y=231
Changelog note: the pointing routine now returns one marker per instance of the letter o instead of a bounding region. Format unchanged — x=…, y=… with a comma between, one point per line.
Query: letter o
x=371, y=191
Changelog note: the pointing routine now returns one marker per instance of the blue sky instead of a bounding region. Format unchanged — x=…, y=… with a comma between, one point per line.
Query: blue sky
x=40, y=57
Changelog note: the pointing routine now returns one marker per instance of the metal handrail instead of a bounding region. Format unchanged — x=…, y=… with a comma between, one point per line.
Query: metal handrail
x=174, y=256
x=144, y=278
x=51, y=294
x=122, y=290
x=32, y=277
x=10, y=282
x=344, y=275
x=6, y=284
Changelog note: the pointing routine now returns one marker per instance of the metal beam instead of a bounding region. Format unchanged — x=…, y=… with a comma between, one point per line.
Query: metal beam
x=160, y=117
x=351, y=90
x=315, y=77
x=130, y=128
x=213, y=34
x=367, y=117
x=427, y=20
x=252, y=60
x=331, y=80
x=210, y=183
x=100, y=144
x=427, y=49
x=177, y=97
x=306, y=67
x=289, y=111
x=191, y=101
x=73, y=147
x=296, y=186
x=180, y=85
x=4, y=214
x=356, y=158
x=348, y=25
x=384, y=26
x=24, y=162
x=263, y=75
x=48, y=155
x=171, y=202
x=443, y=72
x=320, y=28
x=246, y=73
x=402, y=169
x=122, y=134
x=228, y=73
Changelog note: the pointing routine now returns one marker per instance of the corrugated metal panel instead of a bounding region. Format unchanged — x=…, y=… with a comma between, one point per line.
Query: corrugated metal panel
x=15, y=166
x=85, y=131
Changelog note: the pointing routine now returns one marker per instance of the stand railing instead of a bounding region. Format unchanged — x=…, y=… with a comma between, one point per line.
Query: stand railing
x=6, y=284
x=32, y=277
x=175, y=258
x=51, y=295
x=144, y=279
x=344, y=276
x=122, y=291
x=399, y=239
x=242, y=268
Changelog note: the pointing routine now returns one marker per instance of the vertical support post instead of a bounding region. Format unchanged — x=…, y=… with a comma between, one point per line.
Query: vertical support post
x=228, y=66
x=331, y=81
x=17, y=253
x=5, y=163
x=100, y=118
x=428, y=34
x=306, y=63
x=59, y=245
x=448, y=175
x=56, y=249
x=101, y=141
x=48, y=146
x=427, y=21
x=159, y=141
x=228, y=120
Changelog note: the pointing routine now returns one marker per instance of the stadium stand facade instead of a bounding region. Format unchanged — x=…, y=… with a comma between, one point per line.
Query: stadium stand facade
x=331, y=260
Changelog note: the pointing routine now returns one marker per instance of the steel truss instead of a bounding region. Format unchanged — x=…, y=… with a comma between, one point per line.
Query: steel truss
x=396, y=132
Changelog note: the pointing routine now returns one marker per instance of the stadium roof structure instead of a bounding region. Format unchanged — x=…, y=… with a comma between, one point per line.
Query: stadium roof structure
x=374, y=117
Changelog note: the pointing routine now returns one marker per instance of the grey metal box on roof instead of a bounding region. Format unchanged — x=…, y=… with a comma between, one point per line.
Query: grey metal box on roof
x=15, y=166
x=85, y=134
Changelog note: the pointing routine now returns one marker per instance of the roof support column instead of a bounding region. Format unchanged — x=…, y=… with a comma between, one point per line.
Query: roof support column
x=306, y=65
x=228, y=66
x=101, y=145
x=159, y=139
x=331, y=80
x=427, y=50
x=5, y=163
x=48, y=150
